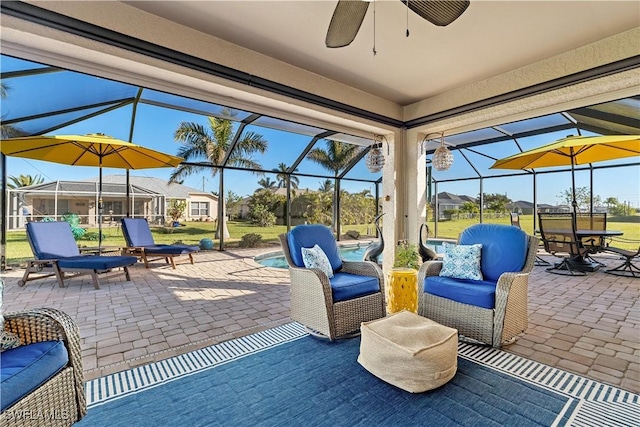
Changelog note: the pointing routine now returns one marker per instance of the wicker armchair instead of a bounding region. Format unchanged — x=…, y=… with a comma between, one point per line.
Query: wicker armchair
x=61, y=400
x=508, y=317
x=312, y=295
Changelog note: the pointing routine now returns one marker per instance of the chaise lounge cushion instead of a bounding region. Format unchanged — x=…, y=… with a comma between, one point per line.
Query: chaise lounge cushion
x=25, y=368
x=171, y=249
x=345, y=286
x=96, y=262
x=306, y=236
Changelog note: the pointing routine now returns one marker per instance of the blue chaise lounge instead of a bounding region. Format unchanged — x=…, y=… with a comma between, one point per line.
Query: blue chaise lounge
x=140, y=243
x=56, y=253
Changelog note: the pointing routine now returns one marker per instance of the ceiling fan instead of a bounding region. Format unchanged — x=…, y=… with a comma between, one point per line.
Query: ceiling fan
x=349, y=14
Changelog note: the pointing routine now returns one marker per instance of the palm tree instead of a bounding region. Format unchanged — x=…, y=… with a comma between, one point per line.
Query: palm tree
x=267, y=183
x=336, y=157
x=24, y=181
x=212, y=143
x=7, y=131
x=326, y=186
x=282, y=177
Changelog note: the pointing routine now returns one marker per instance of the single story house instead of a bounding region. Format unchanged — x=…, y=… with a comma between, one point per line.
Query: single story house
x=149, y=197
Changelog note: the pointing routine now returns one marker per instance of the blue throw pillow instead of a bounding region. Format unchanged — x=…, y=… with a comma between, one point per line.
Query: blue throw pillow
x=316, y=258
x=462, y=261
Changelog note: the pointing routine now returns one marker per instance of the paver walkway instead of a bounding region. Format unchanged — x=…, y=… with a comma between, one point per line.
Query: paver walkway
x=587, y=325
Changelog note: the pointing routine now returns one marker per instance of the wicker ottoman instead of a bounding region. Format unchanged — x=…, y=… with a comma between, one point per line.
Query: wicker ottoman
x=409, y=351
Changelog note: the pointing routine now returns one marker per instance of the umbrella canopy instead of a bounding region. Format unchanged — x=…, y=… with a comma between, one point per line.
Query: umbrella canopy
x=574, y=150
x=88, y=150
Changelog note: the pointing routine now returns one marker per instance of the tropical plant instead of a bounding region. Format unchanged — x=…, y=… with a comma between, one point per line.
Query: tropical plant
x=211, y=143
x=406, y=256
x=176, y=209
x=335, y=158
x=24, y=181
x=283, y=175
x=232, y=201
x=267, y=183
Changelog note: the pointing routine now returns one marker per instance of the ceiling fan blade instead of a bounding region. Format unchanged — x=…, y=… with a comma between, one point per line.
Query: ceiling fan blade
x=438, y=12
x=345, y=22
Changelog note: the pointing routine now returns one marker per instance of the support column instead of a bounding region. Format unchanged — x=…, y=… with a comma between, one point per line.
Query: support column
x=393, y=182
x=415, y=186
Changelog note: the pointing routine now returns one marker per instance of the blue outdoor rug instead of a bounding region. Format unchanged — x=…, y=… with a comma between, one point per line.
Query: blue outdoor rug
x=284, y=377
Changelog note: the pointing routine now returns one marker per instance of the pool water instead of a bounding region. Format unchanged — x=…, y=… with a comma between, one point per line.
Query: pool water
x=348, y=253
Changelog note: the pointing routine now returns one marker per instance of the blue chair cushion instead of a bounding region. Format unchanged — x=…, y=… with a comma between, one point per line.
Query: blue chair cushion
x=51, y=240
x=136, y=232
x=171, y=249
x=480, y=293
x=504, y=248
x=345, y=286
x=96, y=262
x=27, y=367
x=308, y=235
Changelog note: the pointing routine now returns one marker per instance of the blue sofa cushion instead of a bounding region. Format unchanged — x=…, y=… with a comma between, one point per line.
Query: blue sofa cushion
x=25, y=368
x=480, y=293
x=170, y=249
x=504, y=248
x=306, y=236
x=96, y=262
x=345, y=286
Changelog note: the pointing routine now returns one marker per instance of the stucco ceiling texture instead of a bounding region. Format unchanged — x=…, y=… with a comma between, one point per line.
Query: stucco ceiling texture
x=490, y=38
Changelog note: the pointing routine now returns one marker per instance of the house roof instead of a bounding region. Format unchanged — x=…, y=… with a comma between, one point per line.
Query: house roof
x=157, y=185
x=79, y=187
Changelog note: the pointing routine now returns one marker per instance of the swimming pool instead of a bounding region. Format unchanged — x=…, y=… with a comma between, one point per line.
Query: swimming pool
x=347, y=252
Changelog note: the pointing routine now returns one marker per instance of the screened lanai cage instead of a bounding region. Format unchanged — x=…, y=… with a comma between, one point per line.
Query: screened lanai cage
x=312, y=174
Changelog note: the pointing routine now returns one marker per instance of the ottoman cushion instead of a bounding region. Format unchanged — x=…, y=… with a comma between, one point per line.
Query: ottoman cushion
x=409, y=351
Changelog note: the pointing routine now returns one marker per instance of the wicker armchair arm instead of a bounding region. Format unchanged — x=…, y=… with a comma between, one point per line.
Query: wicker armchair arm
x=313, y=277
x=362, y=268
x=429, y=268
x=48, y=324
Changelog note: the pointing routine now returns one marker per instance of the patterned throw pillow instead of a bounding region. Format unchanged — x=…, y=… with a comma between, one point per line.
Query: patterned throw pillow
x=462, y=261
x=8, y=340
x=316, y=258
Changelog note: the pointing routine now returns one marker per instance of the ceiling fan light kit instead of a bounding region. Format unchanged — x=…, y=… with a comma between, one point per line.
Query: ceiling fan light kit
x=348, y=17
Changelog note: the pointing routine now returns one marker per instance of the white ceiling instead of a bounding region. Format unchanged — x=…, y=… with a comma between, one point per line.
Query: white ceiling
x=490, y=38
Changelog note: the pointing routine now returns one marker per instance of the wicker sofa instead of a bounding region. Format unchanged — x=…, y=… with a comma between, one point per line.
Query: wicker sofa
x=508, y=256
x=60, y=400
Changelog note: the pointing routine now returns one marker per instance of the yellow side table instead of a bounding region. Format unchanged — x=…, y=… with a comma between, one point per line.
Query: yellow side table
x=403, y=290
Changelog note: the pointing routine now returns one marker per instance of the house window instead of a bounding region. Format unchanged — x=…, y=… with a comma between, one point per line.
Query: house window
x=199, y=208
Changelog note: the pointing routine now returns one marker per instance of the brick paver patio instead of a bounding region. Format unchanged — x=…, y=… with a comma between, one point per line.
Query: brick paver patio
x=587, y=325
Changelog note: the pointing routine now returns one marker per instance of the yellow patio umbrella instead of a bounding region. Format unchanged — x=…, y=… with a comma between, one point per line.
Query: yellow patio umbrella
x=88, y=150
x=574, y=150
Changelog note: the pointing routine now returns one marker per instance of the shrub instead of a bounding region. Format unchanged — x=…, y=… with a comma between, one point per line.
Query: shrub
x=250, y=240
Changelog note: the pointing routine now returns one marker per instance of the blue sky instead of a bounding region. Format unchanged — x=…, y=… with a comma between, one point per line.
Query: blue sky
x=155, y=126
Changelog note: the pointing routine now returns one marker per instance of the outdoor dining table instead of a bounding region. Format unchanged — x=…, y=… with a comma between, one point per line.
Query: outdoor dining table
x=579, y=261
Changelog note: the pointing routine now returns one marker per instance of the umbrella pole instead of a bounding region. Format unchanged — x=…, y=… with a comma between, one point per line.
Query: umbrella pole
x=100, y=208
x=574, y=203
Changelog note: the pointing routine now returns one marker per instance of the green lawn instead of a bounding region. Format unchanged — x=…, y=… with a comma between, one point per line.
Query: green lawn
x=18, y=248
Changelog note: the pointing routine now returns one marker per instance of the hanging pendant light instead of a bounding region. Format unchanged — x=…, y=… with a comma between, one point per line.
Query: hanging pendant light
x=442, y=157
x=375, y=158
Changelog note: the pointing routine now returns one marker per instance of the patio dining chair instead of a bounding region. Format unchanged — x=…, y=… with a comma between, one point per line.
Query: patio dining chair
x=515, y=221
x=56, y=254
x=140, y=243
x=592, y=221
x=331, y=298
x=558, y=232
